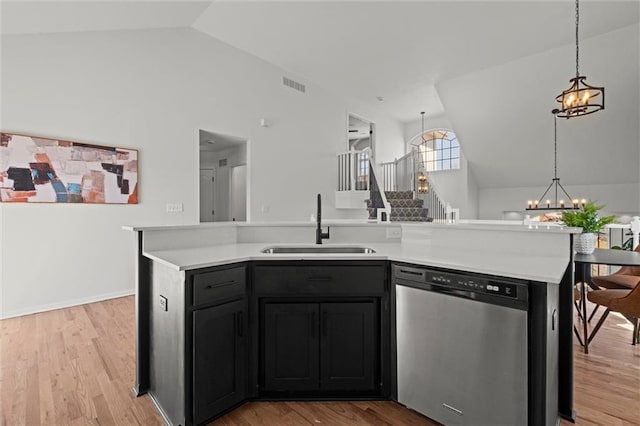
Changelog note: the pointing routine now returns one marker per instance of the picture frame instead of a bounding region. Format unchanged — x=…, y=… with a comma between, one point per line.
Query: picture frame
x=36, y=169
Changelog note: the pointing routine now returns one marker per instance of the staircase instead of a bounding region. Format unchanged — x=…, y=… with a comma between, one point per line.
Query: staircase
x=390, y=187
x=404, y=208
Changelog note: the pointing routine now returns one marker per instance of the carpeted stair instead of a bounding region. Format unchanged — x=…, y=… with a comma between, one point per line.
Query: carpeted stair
x=404, y=208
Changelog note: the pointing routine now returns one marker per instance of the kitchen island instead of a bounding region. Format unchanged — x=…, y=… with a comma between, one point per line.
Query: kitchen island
x=179, y=265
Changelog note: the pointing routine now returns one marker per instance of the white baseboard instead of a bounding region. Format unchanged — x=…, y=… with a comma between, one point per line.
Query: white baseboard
x=65, y=304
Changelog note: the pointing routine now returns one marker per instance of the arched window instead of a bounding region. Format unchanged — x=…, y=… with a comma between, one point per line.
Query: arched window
x=438, y=150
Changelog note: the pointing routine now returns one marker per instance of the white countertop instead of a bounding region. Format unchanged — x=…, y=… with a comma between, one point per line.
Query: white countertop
x=517, y=265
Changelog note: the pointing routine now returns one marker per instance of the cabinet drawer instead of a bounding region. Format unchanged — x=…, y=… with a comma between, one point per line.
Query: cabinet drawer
x=220, y=285
x=320, y=279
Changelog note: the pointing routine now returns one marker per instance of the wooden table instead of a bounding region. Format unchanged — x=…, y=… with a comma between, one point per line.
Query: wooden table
x=583, y=264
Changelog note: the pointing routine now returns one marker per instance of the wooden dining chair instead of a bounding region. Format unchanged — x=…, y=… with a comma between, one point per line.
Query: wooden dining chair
x=627, y=302
x=576, y=300
x=624, y=278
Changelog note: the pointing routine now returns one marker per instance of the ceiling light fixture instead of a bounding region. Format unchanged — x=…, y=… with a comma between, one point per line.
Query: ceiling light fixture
x=423, y=182
x=580, y=99
x=555, y=182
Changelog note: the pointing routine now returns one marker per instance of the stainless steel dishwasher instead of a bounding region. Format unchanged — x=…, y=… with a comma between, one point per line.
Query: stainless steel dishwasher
x=462, y=346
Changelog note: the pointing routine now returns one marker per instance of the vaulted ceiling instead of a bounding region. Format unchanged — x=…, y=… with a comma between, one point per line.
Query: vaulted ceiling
x=492, y=67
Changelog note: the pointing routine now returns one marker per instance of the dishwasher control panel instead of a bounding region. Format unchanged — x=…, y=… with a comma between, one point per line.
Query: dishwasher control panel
x=468, y=283
x=475, y=284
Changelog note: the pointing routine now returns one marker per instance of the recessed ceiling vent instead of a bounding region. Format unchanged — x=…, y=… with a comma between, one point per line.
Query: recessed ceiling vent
x=293, y=84
x=222, y=162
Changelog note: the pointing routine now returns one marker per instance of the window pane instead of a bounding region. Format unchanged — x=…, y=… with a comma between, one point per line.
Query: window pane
x=437, y=144
x=455, y=152
x=431, y=156
x=446, y=164
x=429, y=166
x=446, y=144
x=455, y=163
x=446, y=154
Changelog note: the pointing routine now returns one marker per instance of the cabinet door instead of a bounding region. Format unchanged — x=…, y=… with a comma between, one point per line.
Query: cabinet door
x=349, y=346
x=219, y=359
x=291, y=346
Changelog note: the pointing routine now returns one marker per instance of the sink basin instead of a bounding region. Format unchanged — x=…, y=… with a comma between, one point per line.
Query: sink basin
x=318, y=249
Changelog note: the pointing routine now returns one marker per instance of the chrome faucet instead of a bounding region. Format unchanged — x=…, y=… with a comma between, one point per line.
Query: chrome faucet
x=319, y=234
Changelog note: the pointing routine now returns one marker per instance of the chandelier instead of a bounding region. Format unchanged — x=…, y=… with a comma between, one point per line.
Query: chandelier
x=579, y=99
x=555, y=204
x=423, y=182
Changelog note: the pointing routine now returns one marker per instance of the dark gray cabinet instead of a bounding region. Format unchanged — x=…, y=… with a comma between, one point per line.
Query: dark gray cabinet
x=324, y=329
x=291, y=356
x=198, y=341
x=330, y=346
x=219, y=359
x=221, y=335
x=349, y=346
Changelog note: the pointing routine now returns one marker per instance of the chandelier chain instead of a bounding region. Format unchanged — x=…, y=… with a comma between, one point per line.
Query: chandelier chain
x=555, y=146
x=577, y=42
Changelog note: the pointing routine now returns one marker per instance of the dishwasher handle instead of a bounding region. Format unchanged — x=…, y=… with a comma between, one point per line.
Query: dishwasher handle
x=410, y=274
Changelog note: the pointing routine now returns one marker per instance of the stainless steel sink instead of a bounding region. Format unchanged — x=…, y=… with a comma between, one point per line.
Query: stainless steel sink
x=318, y=249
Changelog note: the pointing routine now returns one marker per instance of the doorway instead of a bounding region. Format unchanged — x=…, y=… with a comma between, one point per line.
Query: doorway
x=223, y=177
x=207, y=195
x=238, y=193
x=361, y=133
x=360, y=142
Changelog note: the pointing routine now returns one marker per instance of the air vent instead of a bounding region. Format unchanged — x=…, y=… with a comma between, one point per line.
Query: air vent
x=222, y=163
x=293, y=84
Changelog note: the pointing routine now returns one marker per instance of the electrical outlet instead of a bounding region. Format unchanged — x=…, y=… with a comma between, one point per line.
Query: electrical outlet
x=163, y=303
x=394, y=233
x=174, y=207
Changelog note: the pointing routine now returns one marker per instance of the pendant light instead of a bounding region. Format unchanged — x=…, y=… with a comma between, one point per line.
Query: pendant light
x=423, y=183
x=555, y=204
x=580, y=99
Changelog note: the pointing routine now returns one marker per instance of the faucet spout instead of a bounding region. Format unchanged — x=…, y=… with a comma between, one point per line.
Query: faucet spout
x=319, y=234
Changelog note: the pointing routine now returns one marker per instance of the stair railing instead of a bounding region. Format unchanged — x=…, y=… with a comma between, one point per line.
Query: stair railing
x=439, y=211
x=404, y=172
x=388, y=176
x=377, y=184
x=353, y=171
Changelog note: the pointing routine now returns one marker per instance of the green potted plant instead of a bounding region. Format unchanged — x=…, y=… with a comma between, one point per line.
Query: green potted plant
x=586, y=218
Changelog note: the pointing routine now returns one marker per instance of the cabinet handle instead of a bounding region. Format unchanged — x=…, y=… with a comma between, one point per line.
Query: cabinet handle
x=312, y=326
x=405, y=271
x=240, y=324
x=210, y=286
x=320, y=279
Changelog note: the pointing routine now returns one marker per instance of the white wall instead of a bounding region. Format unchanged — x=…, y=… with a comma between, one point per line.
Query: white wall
x=618, y=198
x=153, y=90
x=512, y=156
x=502, y=115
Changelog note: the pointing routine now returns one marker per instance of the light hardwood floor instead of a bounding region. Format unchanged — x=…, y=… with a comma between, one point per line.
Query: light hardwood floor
x=76, y=366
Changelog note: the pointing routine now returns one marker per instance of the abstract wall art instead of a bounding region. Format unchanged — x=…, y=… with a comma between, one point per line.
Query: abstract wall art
x=42, y=170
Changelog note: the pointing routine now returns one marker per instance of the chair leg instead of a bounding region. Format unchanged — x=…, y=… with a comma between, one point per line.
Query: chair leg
x=578, y=310
x=635, y=331
x=593, y=313
x=595, y=330
x=575, y=330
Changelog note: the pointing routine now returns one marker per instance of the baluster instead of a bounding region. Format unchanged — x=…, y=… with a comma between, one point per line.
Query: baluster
x=340, y=188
